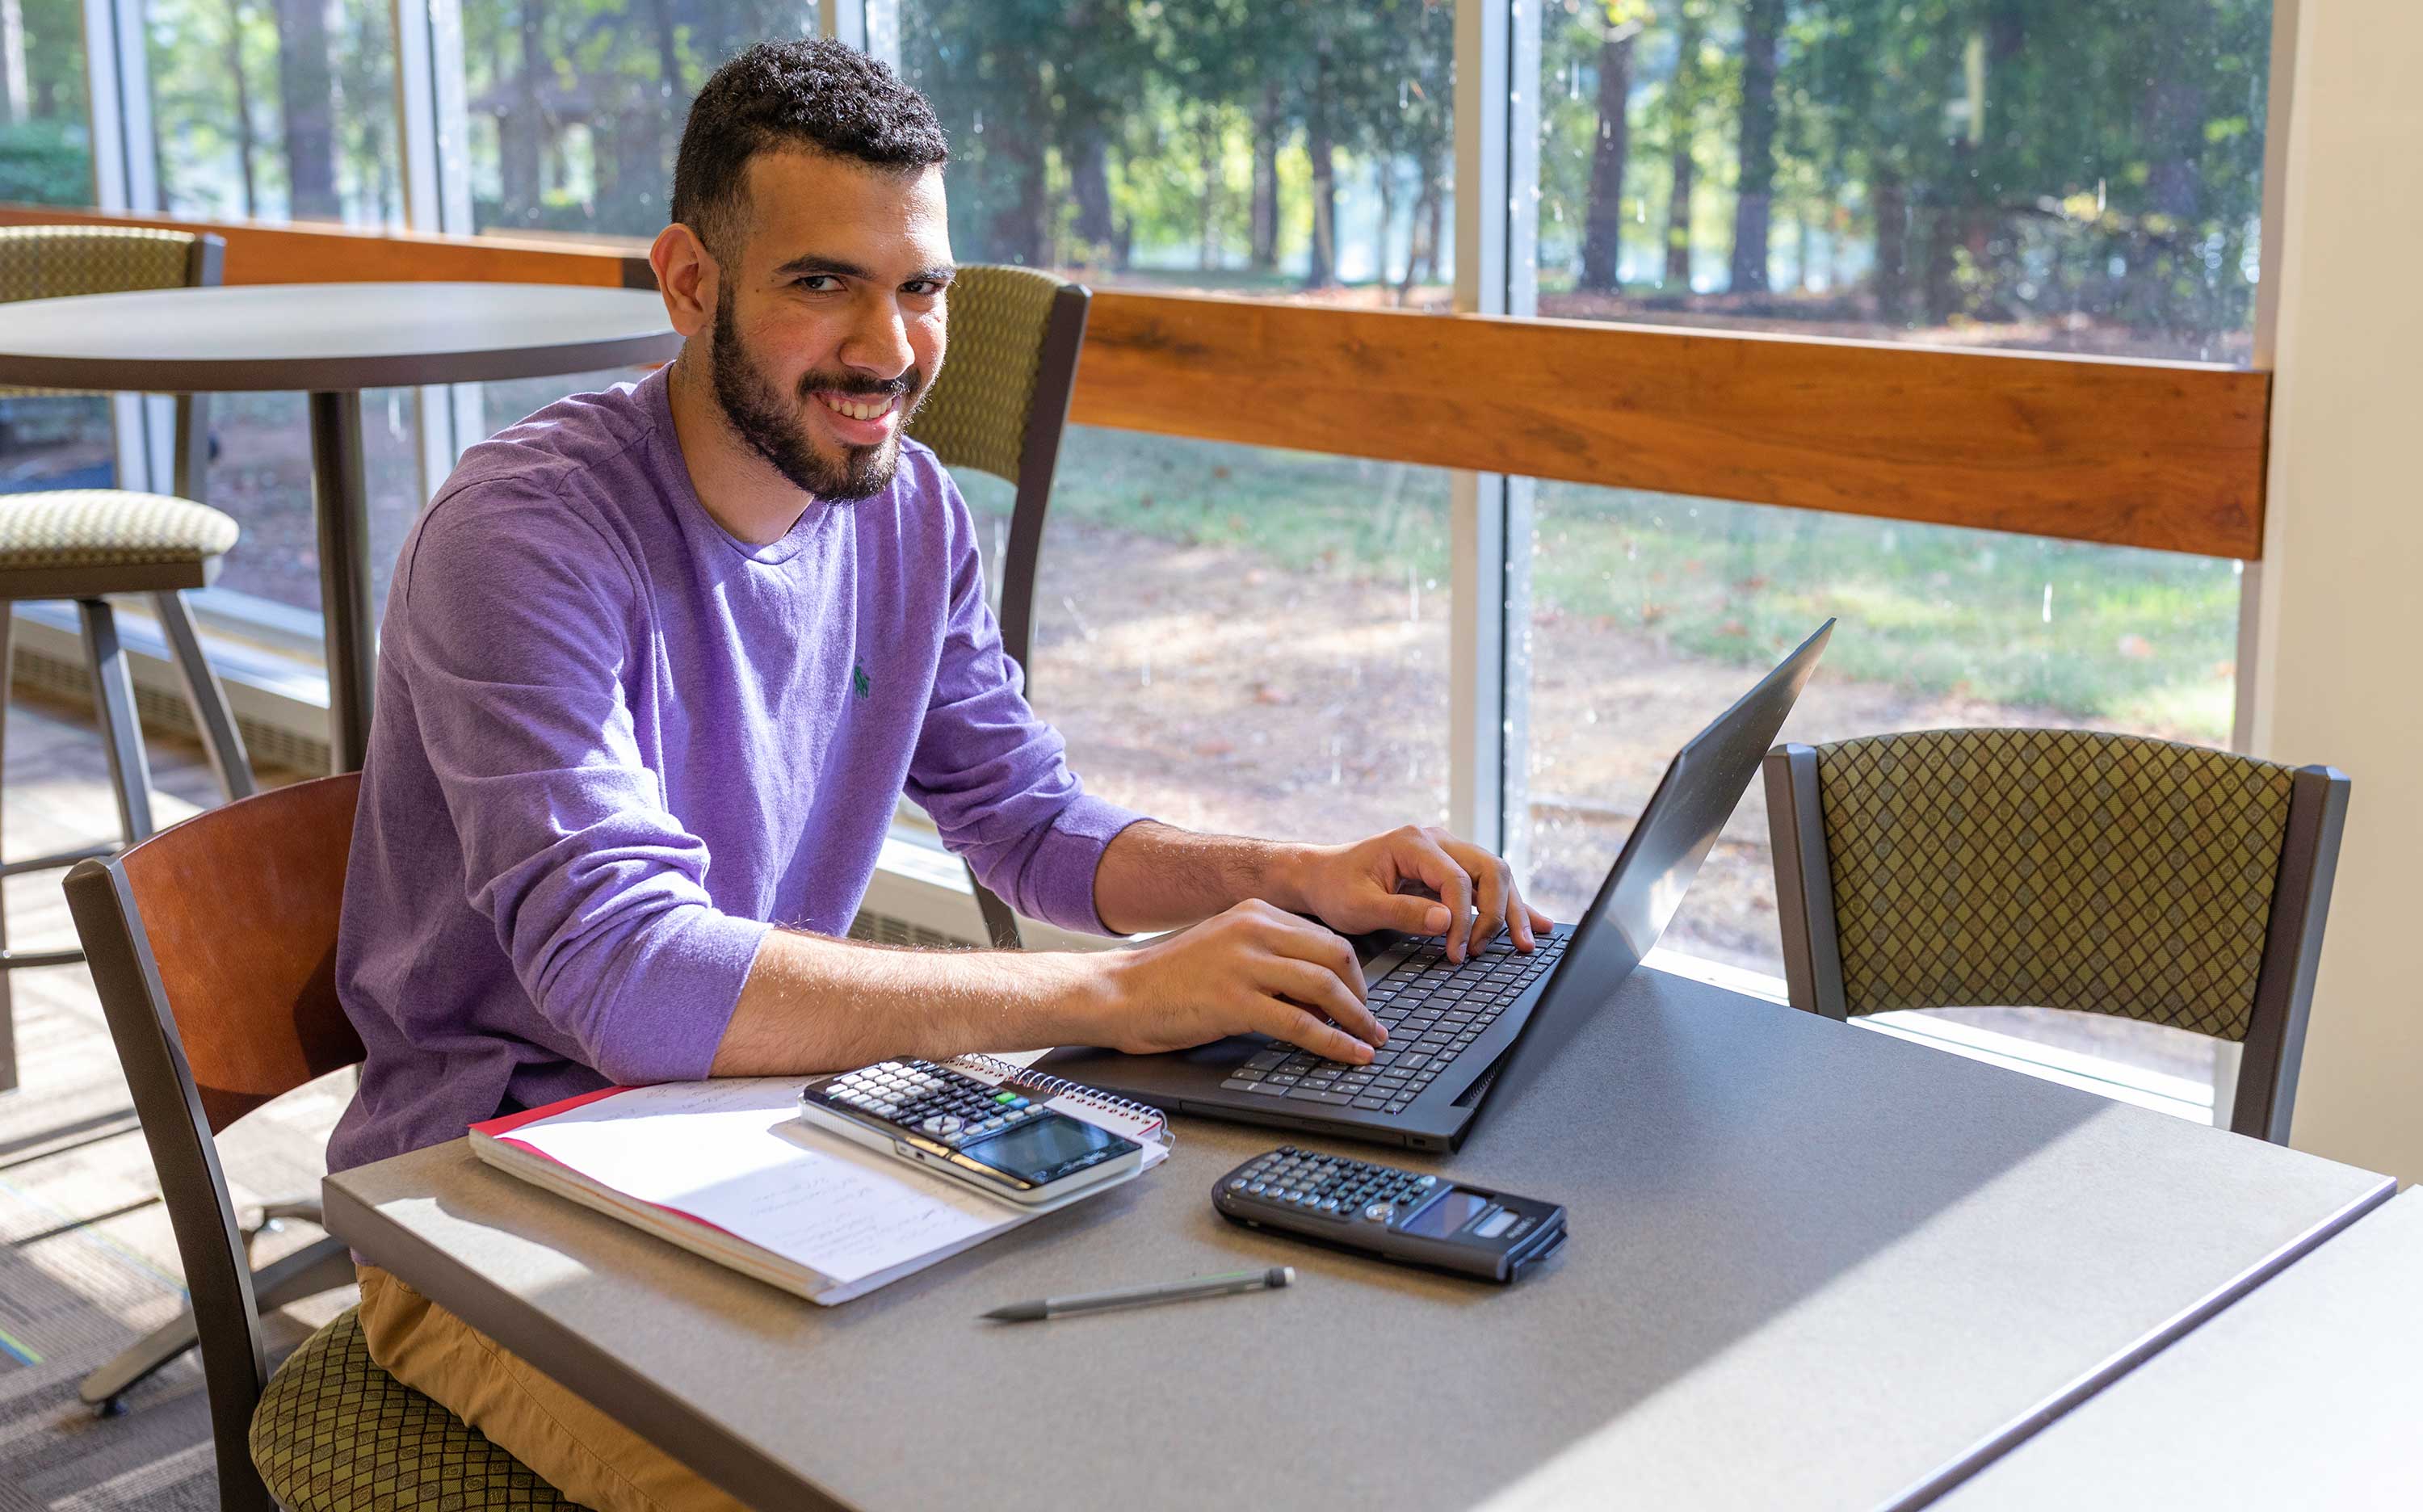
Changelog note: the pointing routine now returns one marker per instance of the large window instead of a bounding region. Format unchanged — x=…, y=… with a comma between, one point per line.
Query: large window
x=1303, y=150
x=1241, y=639
x=1231, y=637
x=45, y=137
x=576, y=109
x=276, y=109
x=283, y=110
x=47, y=440
x=1651, y=613
x=2073, y=175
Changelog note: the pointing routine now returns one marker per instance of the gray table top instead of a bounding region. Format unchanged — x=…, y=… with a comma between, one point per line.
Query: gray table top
x=328, y=336
x=1808, y=1262
x=2306, y=1393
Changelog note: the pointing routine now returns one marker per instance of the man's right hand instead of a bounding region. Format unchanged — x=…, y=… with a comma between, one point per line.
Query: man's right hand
x=1256, y=969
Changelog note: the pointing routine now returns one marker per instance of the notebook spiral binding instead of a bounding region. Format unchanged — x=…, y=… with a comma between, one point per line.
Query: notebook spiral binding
x=1027, y=1079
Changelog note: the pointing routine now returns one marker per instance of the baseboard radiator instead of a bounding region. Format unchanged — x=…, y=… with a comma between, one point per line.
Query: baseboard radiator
x=40, y=673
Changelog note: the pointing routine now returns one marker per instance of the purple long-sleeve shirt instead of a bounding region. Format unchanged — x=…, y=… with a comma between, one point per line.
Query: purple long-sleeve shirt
x=615, y=745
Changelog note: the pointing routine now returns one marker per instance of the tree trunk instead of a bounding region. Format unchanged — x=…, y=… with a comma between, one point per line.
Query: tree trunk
x=520, y=129
x=1387, y=186
x=1207, y=257
x=1946, y=226
x=16, y=96
x=1418, y=249
x=244, y=145
x=1437, y=238
x=1682, y=115
x=1324, y=271
x=1603, y=232
x=664, y=131
x=1090, y=184
x=1263, y=253
x=1762, y=26
x=1022, y=234
x=307, y=101
x=1892, y=235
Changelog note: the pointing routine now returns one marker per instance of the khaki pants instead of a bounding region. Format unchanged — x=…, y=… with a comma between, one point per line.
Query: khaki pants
x=579, y=1450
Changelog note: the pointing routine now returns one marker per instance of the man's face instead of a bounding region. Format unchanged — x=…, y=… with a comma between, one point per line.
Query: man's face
x=829, y=318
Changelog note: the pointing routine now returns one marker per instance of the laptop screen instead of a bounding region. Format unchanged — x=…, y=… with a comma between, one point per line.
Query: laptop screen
x=1678, y=827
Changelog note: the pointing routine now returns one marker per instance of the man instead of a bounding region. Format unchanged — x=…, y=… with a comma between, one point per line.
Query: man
x=656, y=664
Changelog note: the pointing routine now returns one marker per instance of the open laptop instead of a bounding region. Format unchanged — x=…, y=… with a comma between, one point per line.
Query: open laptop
x=1460, y=1031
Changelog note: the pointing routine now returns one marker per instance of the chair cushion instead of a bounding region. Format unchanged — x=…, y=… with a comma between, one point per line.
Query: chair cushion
x=108, y=528
x=334, y=1433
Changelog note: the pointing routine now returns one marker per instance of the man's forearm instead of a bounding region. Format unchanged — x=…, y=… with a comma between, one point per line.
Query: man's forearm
x=811, y=1004
x=1155, y=877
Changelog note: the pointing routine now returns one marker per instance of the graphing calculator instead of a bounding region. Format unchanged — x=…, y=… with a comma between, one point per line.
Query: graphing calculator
x=991, y=1138
x=1405, y=1215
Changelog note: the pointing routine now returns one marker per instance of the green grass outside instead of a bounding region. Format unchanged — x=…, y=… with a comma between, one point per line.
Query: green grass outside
x=2132, y=638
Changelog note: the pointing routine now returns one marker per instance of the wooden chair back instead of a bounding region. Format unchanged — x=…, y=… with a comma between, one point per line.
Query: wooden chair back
x=214, y=947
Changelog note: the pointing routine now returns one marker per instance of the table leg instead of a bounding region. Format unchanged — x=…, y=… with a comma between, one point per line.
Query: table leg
x=341, y=496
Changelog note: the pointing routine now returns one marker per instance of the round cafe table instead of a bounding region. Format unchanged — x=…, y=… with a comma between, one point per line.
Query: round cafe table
x=331, y=341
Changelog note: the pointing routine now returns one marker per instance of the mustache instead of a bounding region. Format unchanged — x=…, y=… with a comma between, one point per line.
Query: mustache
x=860, y=386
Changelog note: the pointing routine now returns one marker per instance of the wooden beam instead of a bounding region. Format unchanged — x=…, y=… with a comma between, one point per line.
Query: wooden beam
x=2161, y=455
x=2168, y=455
x=340, y=254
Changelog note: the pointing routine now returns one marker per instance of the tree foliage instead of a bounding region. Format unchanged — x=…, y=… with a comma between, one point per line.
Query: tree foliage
x=2073, y=171
x=2061, y=167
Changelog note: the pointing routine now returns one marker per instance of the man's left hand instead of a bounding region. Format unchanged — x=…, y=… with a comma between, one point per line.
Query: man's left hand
x=1357, y=888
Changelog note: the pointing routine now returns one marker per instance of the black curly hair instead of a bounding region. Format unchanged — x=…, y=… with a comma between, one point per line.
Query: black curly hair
x=812, y=92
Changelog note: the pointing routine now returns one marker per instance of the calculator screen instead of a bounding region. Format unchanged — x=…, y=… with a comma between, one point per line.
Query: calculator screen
x=1449, y=1214
x=1035, y=1149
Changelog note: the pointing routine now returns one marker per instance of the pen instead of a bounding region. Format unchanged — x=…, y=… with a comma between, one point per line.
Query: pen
x=1175, y=1291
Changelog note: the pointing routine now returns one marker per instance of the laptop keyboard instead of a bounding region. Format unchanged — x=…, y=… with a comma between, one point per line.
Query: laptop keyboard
x=1433, y=1009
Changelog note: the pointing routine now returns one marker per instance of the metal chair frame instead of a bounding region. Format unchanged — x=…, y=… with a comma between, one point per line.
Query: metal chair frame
x=130, y=773
x=130, y=777
x=228, y=1293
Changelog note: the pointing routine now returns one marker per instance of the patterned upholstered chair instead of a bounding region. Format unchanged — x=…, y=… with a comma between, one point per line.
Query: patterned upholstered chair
x=2062, y=868
x=81, y=544
x=213, y=945
x=999, y=407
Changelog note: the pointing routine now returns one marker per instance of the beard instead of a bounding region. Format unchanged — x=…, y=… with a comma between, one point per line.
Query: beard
x=753, y=406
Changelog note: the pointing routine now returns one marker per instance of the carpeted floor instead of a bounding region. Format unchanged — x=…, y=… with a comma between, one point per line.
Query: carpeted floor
x=87, y=1263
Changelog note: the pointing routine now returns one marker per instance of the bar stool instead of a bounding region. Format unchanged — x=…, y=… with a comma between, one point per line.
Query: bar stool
x=83, y=544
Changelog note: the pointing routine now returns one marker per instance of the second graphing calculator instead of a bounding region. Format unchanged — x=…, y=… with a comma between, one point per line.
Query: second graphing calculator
x=993, y=1139
x=1388, y=1213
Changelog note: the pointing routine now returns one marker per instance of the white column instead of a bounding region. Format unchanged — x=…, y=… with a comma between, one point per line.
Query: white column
x=2336, y=671
x=1497, y=155
x=125, y=177
x=434, y=125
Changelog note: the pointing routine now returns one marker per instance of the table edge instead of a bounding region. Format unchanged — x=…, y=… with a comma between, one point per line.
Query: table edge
x=321, y=375
x=2077, y=1393
x=715, y=1452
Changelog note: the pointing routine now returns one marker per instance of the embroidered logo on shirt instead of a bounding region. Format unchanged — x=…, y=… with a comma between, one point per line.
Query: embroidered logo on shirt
x=858, y=682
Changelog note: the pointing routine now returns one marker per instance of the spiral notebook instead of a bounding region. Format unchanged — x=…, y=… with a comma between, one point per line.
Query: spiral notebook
x=726, y=1170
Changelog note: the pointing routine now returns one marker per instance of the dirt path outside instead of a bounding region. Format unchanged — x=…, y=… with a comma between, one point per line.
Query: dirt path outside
x=1207, y=687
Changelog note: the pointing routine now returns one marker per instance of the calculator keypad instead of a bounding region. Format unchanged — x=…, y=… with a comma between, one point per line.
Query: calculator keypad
x=945, y=1106
x=1329, y=1186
